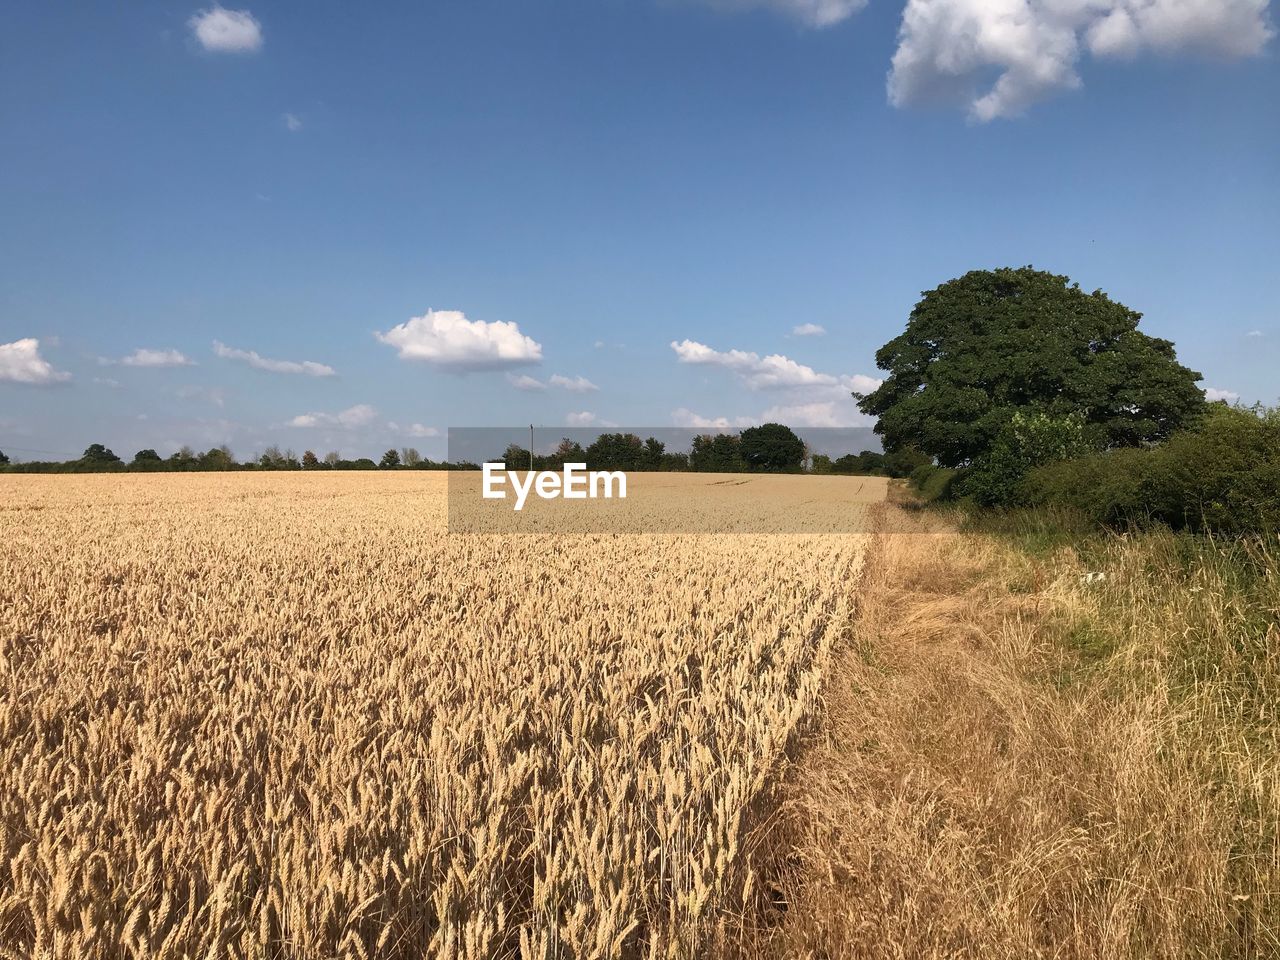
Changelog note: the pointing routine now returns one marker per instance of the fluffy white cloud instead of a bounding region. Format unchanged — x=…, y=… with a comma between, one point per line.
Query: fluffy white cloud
x=573, y=384
x=256, y=360
x=358, y=416
x=447, y=339
x=587, y=419
x=417, y=430
x=770, y=372
x=1213, y=393
x=827, y=413
x=1254, y=333
x=684, y=417
x=20, y=362
x=143, y=357
x=814, y=13
x=948, y=49
x=292, y=122
x=808, y=330
x=226, y=31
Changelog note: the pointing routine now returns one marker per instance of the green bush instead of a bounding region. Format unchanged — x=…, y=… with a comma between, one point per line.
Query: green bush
x=1026, y=441
x=1221, y=476
x=934, y=483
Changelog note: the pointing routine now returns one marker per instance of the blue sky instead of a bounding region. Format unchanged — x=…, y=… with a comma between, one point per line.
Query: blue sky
x=329, y=228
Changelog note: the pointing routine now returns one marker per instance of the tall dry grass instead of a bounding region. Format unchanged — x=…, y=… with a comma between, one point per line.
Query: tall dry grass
x=1023, y=761
x=273, y=716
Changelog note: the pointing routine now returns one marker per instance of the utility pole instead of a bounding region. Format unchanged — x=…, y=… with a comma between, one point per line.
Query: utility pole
x=531, y=448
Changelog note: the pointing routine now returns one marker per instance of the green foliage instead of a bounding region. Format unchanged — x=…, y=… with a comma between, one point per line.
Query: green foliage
x=992, y=343
x=868, y=463
x=146, y=457
x=615, y=451
x=934, y=483
x=390, y=460
x=903, y=462
x=3, y=459
x=98, y=455
x=1221, y=476
x=310, y=461
x=771, y=447
x=1027, y=441
x=717, y=453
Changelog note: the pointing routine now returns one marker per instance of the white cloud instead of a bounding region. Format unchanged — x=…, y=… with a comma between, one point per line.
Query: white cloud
x=573, y=384
x=587, y=419
x=525, y=382
x=808, y=330
x=769, y=372
x=292, y=122
x=684, y=417
x=447, y=339
x=418, y=430
x=1213, y=393
x=256, y=360
x=948, y=49
x=143, y=357
x=813, y=13
x=1254, y=333
x=358, y=416
x=826, y=413
x=20, y=362
x=226, y=31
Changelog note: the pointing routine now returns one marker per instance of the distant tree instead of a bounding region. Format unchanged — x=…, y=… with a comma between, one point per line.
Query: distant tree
x=217, y=458
x=98, y=455
x=273, y=458
x=716, y=453
x=772, y=447
x=3, y=459
x=364, y=463
x=569, y=451
x=615, y=451
x=331, y=458
x=654, y=452
x=994, y=343
x=145, y=457
x=309, y=461
x=410, y=457
x=820, y=463
x=390, y=460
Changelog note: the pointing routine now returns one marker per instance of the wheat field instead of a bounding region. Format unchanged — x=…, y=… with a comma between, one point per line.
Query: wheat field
x=289, y=715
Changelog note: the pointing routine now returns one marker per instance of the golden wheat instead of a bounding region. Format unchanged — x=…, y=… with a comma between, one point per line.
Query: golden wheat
x=290, y=716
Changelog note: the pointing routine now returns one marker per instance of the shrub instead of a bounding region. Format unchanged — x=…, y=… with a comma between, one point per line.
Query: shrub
x=1221, y=476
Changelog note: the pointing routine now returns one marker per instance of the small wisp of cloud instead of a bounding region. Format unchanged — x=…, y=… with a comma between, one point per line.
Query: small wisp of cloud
x=259, y=362
x=218, y=30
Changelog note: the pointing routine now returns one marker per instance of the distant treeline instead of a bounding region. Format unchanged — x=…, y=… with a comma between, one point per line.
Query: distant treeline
x=99, y=459
x=770, y=448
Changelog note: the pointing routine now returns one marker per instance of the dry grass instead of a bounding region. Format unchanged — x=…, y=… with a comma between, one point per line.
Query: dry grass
x=284, y=716
x=1021, y=764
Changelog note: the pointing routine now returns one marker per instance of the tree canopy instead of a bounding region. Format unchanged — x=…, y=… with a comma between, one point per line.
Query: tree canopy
x=993, y=343
x=773, y=447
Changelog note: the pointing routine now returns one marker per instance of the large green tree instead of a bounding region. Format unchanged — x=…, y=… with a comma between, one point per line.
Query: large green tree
x=993, y=343
x=772, y=447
